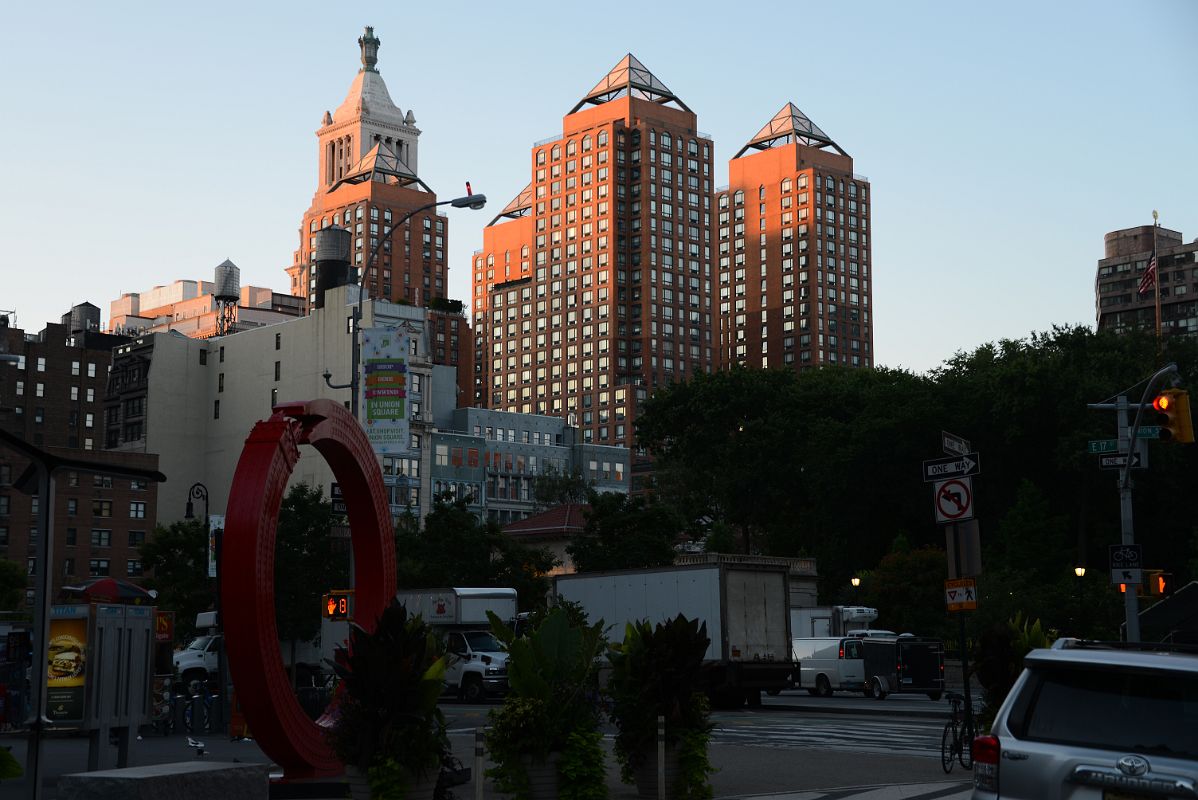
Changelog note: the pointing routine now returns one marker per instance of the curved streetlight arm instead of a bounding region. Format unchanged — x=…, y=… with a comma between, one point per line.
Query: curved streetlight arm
x=1149, y=390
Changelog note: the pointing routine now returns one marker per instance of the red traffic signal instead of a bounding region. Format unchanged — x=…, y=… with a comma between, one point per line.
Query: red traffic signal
x=1178, y=425
x=338, y=604
x=1163, y=584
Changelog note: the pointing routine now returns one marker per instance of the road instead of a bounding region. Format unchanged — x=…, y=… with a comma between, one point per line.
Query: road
x=801, y=747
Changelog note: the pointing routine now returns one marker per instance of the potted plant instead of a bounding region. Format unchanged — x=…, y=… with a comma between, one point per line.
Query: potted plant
x=545, y=739
x=387, y=728
x=657, y=671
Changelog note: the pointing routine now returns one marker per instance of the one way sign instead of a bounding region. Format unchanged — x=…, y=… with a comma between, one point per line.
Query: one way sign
x=940, y=469
x=961, y=594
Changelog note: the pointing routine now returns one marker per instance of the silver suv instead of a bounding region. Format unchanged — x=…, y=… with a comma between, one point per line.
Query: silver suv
x=1095, y=720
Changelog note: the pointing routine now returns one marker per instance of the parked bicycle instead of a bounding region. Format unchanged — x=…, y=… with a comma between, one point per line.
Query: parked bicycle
x=956, y=743
x=206, y=694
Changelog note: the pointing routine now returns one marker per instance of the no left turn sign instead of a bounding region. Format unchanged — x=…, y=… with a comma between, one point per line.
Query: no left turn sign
x=953, y=500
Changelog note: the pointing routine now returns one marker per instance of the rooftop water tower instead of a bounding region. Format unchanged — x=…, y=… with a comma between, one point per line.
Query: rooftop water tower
x=227, y=294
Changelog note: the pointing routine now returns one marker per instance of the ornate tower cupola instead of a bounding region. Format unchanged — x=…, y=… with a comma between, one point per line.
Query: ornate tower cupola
x=367, y=119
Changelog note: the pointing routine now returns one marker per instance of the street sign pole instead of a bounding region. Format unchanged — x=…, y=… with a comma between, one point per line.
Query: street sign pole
x=959, y=563
x=1131, y=607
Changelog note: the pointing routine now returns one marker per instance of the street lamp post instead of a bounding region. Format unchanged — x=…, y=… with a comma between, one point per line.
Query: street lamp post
x=199, y=491
x=856, y=582
x=471, y=201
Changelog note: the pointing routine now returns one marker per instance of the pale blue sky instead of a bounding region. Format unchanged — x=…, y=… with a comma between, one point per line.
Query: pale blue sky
x=146, y=142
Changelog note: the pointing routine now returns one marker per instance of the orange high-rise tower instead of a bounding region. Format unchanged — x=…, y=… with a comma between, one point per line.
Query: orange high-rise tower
x=794, y=254
x=593, y=286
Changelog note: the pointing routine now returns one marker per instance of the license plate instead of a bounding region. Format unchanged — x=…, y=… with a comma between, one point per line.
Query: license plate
x=1107, y=794
x=908, y=680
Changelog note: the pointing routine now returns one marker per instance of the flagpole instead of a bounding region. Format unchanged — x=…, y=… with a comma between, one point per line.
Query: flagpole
x=1156, y=284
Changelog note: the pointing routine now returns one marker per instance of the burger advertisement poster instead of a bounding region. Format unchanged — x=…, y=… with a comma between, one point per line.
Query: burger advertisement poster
x=66, y=669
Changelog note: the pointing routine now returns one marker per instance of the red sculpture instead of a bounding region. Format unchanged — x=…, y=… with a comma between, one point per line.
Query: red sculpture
x=273, y=713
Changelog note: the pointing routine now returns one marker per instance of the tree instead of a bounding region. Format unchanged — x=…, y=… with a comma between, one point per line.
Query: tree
x=625, y=532
x=307, y=564
x=456, y=549
x=555, y=488
x=12, y=584
x=178, y=557
x=907, y=588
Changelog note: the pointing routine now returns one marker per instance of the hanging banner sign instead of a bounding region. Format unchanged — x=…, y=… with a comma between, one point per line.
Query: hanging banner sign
x=384, y=389
x=216, y=522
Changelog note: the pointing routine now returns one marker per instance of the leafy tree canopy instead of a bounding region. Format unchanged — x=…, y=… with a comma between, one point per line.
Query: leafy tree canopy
x=624, y=532
x=12, y=584
x=307, y=561
x=178, y=557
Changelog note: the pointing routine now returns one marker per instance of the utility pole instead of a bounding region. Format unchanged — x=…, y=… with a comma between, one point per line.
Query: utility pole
x=1127, y=445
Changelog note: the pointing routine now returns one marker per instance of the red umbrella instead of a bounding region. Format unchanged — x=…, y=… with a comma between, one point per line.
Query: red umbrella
x=112, y=590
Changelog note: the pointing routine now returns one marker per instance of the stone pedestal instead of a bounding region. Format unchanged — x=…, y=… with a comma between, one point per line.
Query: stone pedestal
x=187, y=780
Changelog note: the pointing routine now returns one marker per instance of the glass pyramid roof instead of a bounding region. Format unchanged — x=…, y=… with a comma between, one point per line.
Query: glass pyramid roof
x=520, y=206
x=790, y=125
x=629, y=77
x=384, y=165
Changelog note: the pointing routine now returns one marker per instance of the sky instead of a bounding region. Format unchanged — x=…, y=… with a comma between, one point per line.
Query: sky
x=145, y=143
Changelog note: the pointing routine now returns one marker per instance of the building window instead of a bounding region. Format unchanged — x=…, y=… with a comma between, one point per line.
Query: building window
x=274, y=397
x=278, y=341
x=101, y=508
x=220, y=382
x=222, y=355
x=41, y=364
x=102, y=481
x=75, y=368
x=216, y=409
x=133, y=568
x=91, y=370
x=72, y=506
x=101, y=537
x=137, y=538
x=72, y=536
x=442, y=455
x=203, y=358
x=68, y=566
x=3, y=536
x=278, y=369
x=97, y=566
x=137, y=486
x=137, y=509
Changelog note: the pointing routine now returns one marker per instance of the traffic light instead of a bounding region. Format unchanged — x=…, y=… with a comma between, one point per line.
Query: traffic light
x=1162, y=584
x=338, y=604
x=1177, y=426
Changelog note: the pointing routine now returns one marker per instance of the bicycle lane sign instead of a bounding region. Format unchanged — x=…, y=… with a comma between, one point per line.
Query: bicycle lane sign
x=953, y=500
x=1127, y=563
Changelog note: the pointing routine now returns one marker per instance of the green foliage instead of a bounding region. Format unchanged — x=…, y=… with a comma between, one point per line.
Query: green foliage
x=657, y=671
x=391, y=679
x=582, y=769
x=907, y=588
x=456, y=549
x=12, y=584
x=178, y=558
x=555, y=488
x=9, y=768
x=625, y=532
x=999, y=656
x=826, y=464
x=552, y=685
x=306, y=563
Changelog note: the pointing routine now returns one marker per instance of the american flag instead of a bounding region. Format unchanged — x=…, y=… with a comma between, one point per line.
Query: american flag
x=1149, y=276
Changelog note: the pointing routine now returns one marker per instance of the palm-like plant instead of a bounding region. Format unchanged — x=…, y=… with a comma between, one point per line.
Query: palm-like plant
x=387, y=709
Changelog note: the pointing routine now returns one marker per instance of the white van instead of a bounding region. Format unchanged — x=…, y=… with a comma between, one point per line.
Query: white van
x=828, y=664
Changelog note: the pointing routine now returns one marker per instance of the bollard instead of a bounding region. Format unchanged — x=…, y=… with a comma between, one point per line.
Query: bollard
x=478, y=764
x=661, y=758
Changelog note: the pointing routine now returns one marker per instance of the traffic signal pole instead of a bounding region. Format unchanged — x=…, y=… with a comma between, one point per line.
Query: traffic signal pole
x=1131, y=603
x=1127, y=444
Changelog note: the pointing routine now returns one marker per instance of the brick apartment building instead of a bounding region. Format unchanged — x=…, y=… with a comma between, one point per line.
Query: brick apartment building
x=794, y=253
x=1119, y=306
x=52, y=397
x=593, y=287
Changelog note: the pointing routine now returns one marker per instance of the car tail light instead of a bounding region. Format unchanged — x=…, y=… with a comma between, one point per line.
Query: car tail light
x=842, y=651
x=986, y=751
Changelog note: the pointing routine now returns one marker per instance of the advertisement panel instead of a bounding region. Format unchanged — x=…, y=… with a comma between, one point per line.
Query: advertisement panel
x=216, y=522
x=384, y=389
x=66, y=664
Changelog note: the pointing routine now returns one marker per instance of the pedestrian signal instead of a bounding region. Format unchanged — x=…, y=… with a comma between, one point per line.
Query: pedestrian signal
x=338, y=604
x=1161, y=584
x=1178, y=425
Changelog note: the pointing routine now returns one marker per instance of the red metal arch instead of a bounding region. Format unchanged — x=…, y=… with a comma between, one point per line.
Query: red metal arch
x=273, y=713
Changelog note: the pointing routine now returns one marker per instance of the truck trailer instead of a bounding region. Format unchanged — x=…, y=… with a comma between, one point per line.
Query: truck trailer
x=745, y=607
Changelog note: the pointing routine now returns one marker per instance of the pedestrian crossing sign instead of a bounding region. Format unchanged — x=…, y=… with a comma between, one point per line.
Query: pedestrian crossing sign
x=961, y=594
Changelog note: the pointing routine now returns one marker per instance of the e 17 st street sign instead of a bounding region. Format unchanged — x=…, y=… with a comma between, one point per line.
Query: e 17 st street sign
x=953, y=444
x=940, y=469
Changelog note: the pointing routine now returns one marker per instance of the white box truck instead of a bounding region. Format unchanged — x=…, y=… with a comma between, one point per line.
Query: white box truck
x=827, y=621
x=745, y=606
x=479, y=666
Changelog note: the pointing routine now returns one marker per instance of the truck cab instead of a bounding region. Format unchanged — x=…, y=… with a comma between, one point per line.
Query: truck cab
x=198, y=660
x=478, y=666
